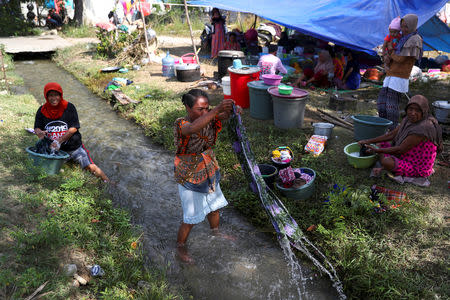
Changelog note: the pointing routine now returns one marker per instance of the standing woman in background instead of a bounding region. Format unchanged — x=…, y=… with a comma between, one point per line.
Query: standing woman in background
x=218, y=33
x=396, y=83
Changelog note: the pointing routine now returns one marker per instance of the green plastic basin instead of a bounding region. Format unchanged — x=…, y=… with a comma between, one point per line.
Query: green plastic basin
x=358, y=162
x=303, y=192
x=51, y=164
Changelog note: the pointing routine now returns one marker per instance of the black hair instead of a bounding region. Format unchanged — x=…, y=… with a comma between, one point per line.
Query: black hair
x=272, y=48
x=190, y=98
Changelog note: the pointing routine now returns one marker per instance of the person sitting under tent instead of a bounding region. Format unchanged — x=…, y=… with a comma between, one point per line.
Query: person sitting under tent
x=232, y=43
x=320, y=76
x=338, y=66
x=352, y=78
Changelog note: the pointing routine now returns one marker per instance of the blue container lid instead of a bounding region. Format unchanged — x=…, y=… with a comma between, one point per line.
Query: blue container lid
x=371, y=120
x=259, y=85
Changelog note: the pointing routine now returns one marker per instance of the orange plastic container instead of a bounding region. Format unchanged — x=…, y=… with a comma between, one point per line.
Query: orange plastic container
x=239, y=79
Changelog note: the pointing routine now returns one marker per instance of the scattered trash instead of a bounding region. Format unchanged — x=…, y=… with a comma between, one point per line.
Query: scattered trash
x=148, y=96
x=30, y=130
x=136, y=67
x=143, y=284
x=110, y=69
x=311, y=228
x=4, y=92
x=116, y=83
x=75, y=283
x=70, y=270
x=96, y=270
x=123, y=70
x=134, y=245
x=80, y=279
x=316, y=144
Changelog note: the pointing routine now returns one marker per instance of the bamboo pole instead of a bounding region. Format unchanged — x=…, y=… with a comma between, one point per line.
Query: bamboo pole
x=3, y=70
x=190, y=30
x=145, y=32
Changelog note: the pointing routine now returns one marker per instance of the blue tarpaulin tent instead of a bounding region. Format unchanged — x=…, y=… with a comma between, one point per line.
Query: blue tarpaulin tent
x=436, y=35
x=356, y=24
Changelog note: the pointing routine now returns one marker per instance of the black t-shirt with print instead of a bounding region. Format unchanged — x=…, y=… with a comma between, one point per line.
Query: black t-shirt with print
x=59, y=127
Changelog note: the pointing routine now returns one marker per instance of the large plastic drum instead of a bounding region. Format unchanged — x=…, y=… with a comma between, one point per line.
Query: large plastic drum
x=239, y=79
x=288, y=110
x=260, y=100
x=225, y=60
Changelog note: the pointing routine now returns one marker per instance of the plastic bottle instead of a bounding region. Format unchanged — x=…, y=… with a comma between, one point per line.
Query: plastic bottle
x=168, y=64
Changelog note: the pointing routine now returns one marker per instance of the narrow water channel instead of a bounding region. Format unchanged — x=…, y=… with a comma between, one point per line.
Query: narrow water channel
x=250, y=267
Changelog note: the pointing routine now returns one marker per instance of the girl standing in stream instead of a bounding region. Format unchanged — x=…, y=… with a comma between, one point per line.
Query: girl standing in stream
x=196, y=170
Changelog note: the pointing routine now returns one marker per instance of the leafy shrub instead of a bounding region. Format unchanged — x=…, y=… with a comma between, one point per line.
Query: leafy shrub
x=110, y=46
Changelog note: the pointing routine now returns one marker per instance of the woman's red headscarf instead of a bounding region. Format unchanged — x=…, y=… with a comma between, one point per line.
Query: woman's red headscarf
x=49, y=111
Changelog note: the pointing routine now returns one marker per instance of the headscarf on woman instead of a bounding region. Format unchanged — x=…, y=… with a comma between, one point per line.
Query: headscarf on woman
x=325, y=66
x=50, y=111
x=410, y=44
x=427, y=127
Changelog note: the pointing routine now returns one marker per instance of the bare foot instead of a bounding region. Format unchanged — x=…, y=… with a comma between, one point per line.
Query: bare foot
x=183, y=254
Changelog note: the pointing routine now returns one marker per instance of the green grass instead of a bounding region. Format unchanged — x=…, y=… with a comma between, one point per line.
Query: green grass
x=71, y=31
x=400, y=254
x=49, y=221
x=174, y=22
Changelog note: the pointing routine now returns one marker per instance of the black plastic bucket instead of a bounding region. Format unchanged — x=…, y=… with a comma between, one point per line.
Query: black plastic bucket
x=268, y=173
x=225, y=60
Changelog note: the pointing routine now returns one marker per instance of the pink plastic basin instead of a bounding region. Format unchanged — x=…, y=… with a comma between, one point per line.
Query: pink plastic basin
x=271, y=79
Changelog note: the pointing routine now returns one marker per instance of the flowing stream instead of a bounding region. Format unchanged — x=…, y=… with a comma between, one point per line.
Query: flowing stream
x=250, y=266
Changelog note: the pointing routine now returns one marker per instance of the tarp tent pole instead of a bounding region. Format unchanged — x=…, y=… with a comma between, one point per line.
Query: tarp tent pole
x=192, y=34
x=145, y=32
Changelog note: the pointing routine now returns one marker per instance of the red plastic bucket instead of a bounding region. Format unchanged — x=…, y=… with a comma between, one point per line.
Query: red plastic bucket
x=189, y=58
x=239, y=79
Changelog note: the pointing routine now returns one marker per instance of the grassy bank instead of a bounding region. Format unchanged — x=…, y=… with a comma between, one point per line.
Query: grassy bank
x=47, y=222
x=398, y=254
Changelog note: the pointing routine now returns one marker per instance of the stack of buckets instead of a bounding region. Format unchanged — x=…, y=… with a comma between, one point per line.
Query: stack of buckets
x=226, y=85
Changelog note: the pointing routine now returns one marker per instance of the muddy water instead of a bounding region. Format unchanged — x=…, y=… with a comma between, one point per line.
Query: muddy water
x=250, y=266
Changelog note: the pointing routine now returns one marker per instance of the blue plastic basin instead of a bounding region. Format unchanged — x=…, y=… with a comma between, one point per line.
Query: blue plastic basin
x=50, y=163
x=367, y=127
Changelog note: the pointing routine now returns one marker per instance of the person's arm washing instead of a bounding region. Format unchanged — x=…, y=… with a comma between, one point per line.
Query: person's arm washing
x=280, y=68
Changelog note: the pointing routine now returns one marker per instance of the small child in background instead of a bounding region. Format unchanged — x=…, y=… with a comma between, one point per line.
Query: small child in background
x=232, y=43
x=391, y=41
x=270, y=64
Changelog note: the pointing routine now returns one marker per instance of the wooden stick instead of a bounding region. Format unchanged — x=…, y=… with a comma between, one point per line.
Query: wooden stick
x=145, y=32
x=335, y=122
x=37, y=291
x=192, y=34
x=336, y=118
